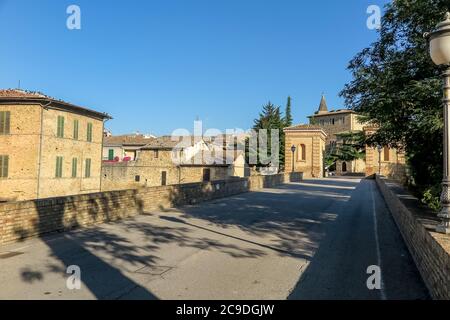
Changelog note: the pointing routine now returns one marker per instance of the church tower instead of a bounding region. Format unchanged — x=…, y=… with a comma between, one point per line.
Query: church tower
x=323, y=108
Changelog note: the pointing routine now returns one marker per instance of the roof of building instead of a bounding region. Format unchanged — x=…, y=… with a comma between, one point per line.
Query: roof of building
x=130, y=140
x=304, y=127
x=331, y=113
x=24, y=96
x=323, y=105
x=164, y=142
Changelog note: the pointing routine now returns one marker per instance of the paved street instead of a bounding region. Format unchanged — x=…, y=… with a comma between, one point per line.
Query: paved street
x=309, y=240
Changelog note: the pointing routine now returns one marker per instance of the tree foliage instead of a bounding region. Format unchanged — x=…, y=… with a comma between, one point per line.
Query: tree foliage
x=350, y=146
x=397, y=87
x=270, y=118
x=288, y=113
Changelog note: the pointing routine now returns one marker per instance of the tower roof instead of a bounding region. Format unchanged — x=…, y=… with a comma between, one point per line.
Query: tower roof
x=323, y=105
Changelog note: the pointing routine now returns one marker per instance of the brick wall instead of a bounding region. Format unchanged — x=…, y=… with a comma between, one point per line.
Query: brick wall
x=20, y=220
x=430, y=250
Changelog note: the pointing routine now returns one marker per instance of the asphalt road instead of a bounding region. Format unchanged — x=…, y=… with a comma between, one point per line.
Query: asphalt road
x=309, y=240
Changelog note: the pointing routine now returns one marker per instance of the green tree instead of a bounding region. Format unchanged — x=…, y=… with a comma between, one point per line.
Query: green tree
x=397, y=87
x=288, y=113
x=270, y=119
x=351, y=146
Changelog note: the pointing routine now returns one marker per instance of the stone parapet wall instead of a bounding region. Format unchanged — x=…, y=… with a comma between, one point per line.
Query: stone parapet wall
x=21, y=220
x=430, y=250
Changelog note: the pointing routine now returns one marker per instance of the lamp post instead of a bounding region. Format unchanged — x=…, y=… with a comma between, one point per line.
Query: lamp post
x=439, y=41
x=293, y=148
x=379, y=149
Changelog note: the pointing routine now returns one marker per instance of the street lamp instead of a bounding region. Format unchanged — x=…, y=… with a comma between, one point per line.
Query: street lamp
x=293, y=148
x=380, y=149
x=439, y=41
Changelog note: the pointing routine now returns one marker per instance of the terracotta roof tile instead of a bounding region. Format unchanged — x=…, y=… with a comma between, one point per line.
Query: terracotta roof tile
x=304, y=126
x=16, y=93
x=135, y=140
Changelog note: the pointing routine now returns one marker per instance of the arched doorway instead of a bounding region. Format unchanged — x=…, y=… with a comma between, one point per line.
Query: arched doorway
x=344, y=166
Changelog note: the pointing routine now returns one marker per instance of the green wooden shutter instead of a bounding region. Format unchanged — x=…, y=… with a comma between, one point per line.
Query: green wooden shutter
x=89, y=132
x=87, y=173
x=57, y=161
x=75, y=129
x=4, y=164
x=5, y=122
x=60, y=129
x=74, y=167
x=111, y=154
x=2, y=122
x=59, y=164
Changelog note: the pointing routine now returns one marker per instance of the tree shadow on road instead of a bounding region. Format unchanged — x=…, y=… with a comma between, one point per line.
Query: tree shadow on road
x=84, y=248
x=291, y=214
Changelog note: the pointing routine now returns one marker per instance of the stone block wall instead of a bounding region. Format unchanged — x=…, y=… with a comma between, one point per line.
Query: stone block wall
x=314, y=143
x=21, y=220
x=430, y=250
x=133, y=174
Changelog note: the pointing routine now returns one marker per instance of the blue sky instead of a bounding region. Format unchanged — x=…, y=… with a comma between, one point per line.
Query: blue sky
x=157, y=65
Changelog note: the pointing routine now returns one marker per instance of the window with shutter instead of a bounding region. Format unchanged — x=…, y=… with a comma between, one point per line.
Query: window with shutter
x=4, y=166
x=60, y=129
x=89, y=132
x=75, y=129
x=74, y=167
x=87, y=171
x=59, y=165
x=5, y=117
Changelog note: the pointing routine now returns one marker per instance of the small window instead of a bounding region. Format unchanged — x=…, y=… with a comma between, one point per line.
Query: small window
x=386, y=153
x=89, y=132
x=332, y=121
x=87, y=169
x=4, y=165
x=5, y=117
x=60, y=129
x=164, y=178
x=137, y=178
x=302, y=152
x=75, y=129
x=74, y=167
x=59, y=165
x=206, y=175
x=344, y=167
x=111, y=154
x=156, y=154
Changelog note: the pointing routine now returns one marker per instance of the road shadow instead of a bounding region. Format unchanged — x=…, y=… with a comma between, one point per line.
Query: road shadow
x=339, y=268
x=292, y=214
x=100, y=277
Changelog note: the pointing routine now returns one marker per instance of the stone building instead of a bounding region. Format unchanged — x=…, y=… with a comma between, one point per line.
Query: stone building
x=124, y=146
x=313, y=141
x=48, y=147
x=308, y=157
x=333, y=123
x=164, y=162
x=389, y=162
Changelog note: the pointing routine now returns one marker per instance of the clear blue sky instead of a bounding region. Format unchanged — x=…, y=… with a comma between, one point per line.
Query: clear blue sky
x=156, y=65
